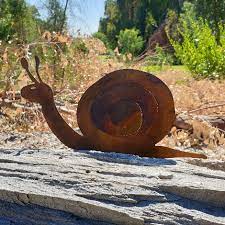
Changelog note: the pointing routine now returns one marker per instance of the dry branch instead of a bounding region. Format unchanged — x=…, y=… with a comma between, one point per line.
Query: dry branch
x=207, y=107
x=183, y=121
x=15, y=104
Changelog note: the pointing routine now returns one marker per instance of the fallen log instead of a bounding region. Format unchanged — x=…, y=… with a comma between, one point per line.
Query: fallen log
x=183, y=121
x=35, y=182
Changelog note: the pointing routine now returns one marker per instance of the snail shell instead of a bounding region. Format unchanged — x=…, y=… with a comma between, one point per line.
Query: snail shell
x=127, y=110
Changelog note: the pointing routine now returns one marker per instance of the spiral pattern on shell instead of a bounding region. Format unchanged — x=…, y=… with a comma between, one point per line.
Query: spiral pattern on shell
x=127, y=110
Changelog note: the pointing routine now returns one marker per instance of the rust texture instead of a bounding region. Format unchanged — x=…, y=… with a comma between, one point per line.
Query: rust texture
x=126, y=111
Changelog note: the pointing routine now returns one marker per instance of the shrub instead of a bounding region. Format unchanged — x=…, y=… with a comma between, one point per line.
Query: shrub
x=60, y=55
x=130, y=42
x=79, y=45
x=199, y=50
x=160, y=58
x=102, y=37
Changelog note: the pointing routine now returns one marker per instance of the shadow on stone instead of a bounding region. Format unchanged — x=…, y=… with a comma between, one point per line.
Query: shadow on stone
x=11, y=213
x=128, y=159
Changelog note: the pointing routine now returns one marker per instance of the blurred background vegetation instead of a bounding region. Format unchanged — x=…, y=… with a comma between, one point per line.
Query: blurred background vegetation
x=194, y=32
x=182, y=42
x=162, y=32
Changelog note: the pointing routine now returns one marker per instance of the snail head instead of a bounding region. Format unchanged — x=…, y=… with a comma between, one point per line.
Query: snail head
x=38, y=92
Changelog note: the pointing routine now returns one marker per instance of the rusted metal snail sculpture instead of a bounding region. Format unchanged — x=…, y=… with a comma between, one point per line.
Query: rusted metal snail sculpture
x=126, y=111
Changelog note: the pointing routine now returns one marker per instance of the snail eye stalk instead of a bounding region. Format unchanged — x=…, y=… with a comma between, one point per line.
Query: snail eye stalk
x=25, y=65
x=37, y=61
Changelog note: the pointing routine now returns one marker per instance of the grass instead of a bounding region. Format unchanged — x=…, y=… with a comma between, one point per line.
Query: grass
x=158, y=69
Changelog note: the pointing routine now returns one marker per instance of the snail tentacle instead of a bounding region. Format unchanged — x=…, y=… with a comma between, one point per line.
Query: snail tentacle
x=25, y=65
x=37, y=61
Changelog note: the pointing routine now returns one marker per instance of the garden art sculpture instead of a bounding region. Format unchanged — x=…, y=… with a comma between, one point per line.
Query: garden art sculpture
x=126, y=111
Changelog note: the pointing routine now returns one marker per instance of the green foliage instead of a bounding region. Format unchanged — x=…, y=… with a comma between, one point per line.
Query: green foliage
x=109, y=25
x=199, y=49
x=151, y=24
x=56, y=17
x=79, y=46
x=145, y=16
x=32, y=24
x=63, y=58
x=148, y=15
x=112, y=11
x=21, y=21
x=5, y=27
x=18, y=20
x=160, y=58
x=213, y=12
x=102, y=37
x=129, y=41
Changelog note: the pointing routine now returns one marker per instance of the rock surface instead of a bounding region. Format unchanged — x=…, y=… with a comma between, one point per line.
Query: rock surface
x=62, y=186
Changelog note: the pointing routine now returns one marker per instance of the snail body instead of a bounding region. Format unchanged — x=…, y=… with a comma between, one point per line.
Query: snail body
x=126, y=111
